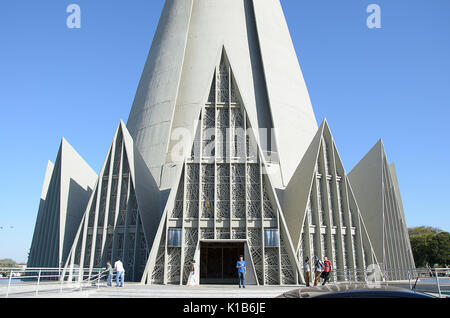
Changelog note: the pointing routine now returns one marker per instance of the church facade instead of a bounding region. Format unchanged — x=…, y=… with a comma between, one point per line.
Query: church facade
x=222, y=156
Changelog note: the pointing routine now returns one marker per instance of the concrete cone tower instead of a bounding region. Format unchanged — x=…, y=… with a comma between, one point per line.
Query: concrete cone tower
x=176, y=81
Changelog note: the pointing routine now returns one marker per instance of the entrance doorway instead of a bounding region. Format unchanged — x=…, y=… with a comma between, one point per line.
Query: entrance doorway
x=218, y=262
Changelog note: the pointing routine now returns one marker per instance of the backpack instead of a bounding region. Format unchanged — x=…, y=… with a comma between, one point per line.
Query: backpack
x=329, y=266
x=319, y=263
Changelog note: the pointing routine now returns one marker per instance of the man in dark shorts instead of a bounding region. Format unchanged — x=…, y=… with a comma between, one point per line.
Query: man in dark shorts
x=326, y=271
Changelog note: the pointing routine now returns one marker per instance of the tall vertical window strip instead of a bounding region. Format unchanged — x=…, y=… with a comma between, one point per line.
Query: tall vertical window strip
x=330, y=203
x=324, y=245
x=341, y=203
x=271, y=238
x=309, y=212
x=174, y=238
x=312, y=245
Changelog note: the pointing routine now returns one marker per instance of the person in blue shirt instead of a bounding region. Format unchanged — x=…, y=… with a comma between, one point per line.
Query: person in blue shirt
x=242, y=270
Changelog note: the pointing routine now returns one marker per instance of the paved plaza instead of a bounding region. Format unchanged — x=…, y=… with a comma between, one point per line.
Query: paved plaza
x=136, y=290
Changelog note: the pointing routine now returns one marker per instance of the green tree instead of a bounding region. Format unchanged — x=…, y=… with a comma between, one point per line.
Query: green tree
x=430, y=246
x=7, y=262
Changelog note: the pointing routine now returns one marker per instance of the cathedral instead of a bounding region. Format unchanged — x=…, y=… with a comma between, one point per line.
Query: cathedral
x=222, y=156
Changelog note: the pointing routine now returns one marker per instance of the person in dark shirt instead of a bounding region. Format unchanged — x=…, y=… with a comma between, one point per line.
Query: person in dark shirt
x=110, y=273
x=318, y=268
x=242, y=270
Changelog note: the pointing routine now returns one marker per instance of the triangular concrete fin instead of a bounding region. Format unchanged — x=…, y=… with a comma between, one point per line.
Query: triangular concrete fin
x=376, y=189
x=126, y=195
x=304, y=247
x=287, y=247
x=77, y=182
x=44, y=251
x=47, y=178
x=366, y=255
x=297, y=192
x=155, y=262
x=146, y=188
x=366, y=179
x=40, y=215
x=409, y=254
x=79, y=239
x=363, y=236
x=398, y=196
x=80, y=253
x=67, y=187
x=323, y=213
x=393, y=172
x=372, y=161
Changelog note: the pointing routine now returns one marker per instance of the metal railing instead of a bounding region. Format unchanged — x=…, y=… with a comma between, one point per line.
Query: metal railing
x=431, y=280
x=31, y=281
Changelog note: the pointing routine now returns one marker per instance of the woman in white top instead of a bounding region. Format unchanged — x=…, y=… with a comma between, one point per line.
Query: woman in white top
x=192, y=281
x=307, y=271
x=120, y=273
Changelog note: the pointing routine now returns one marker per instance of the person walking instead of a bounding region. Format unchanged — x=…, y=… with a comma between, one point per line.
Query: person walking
x=110, y=273
x=192, y=281
x=120, y=273
x=326, y=270
x=307, y=272
x=318, y=267
x=242, y=270
x=430, y=272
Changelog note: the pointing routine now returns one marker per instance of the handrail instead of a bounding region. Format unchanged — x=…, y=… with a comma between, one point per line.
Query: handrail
x=35, y=276
x=30, y=268
x=389, y=276
x=96, y=277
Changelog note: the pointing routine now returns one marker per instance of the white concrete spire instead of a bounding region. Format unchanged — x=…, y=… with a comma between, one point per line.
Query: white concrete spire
x=67, y=187
x=177, y=76
x=377, y=192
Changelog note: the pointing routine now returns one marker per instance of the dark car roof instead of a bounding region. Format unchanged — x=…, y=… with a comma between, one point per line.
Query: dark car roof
x=352, y=290
x=374, y=293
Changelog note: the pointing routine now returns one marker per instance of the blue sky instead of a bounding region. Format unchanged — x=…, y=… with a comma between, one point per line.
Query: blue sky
x=391, y=83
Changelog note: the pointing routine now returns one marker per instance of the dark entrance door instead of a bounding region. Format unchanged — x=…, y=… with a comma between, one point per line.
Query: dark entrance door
x=218, y=262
